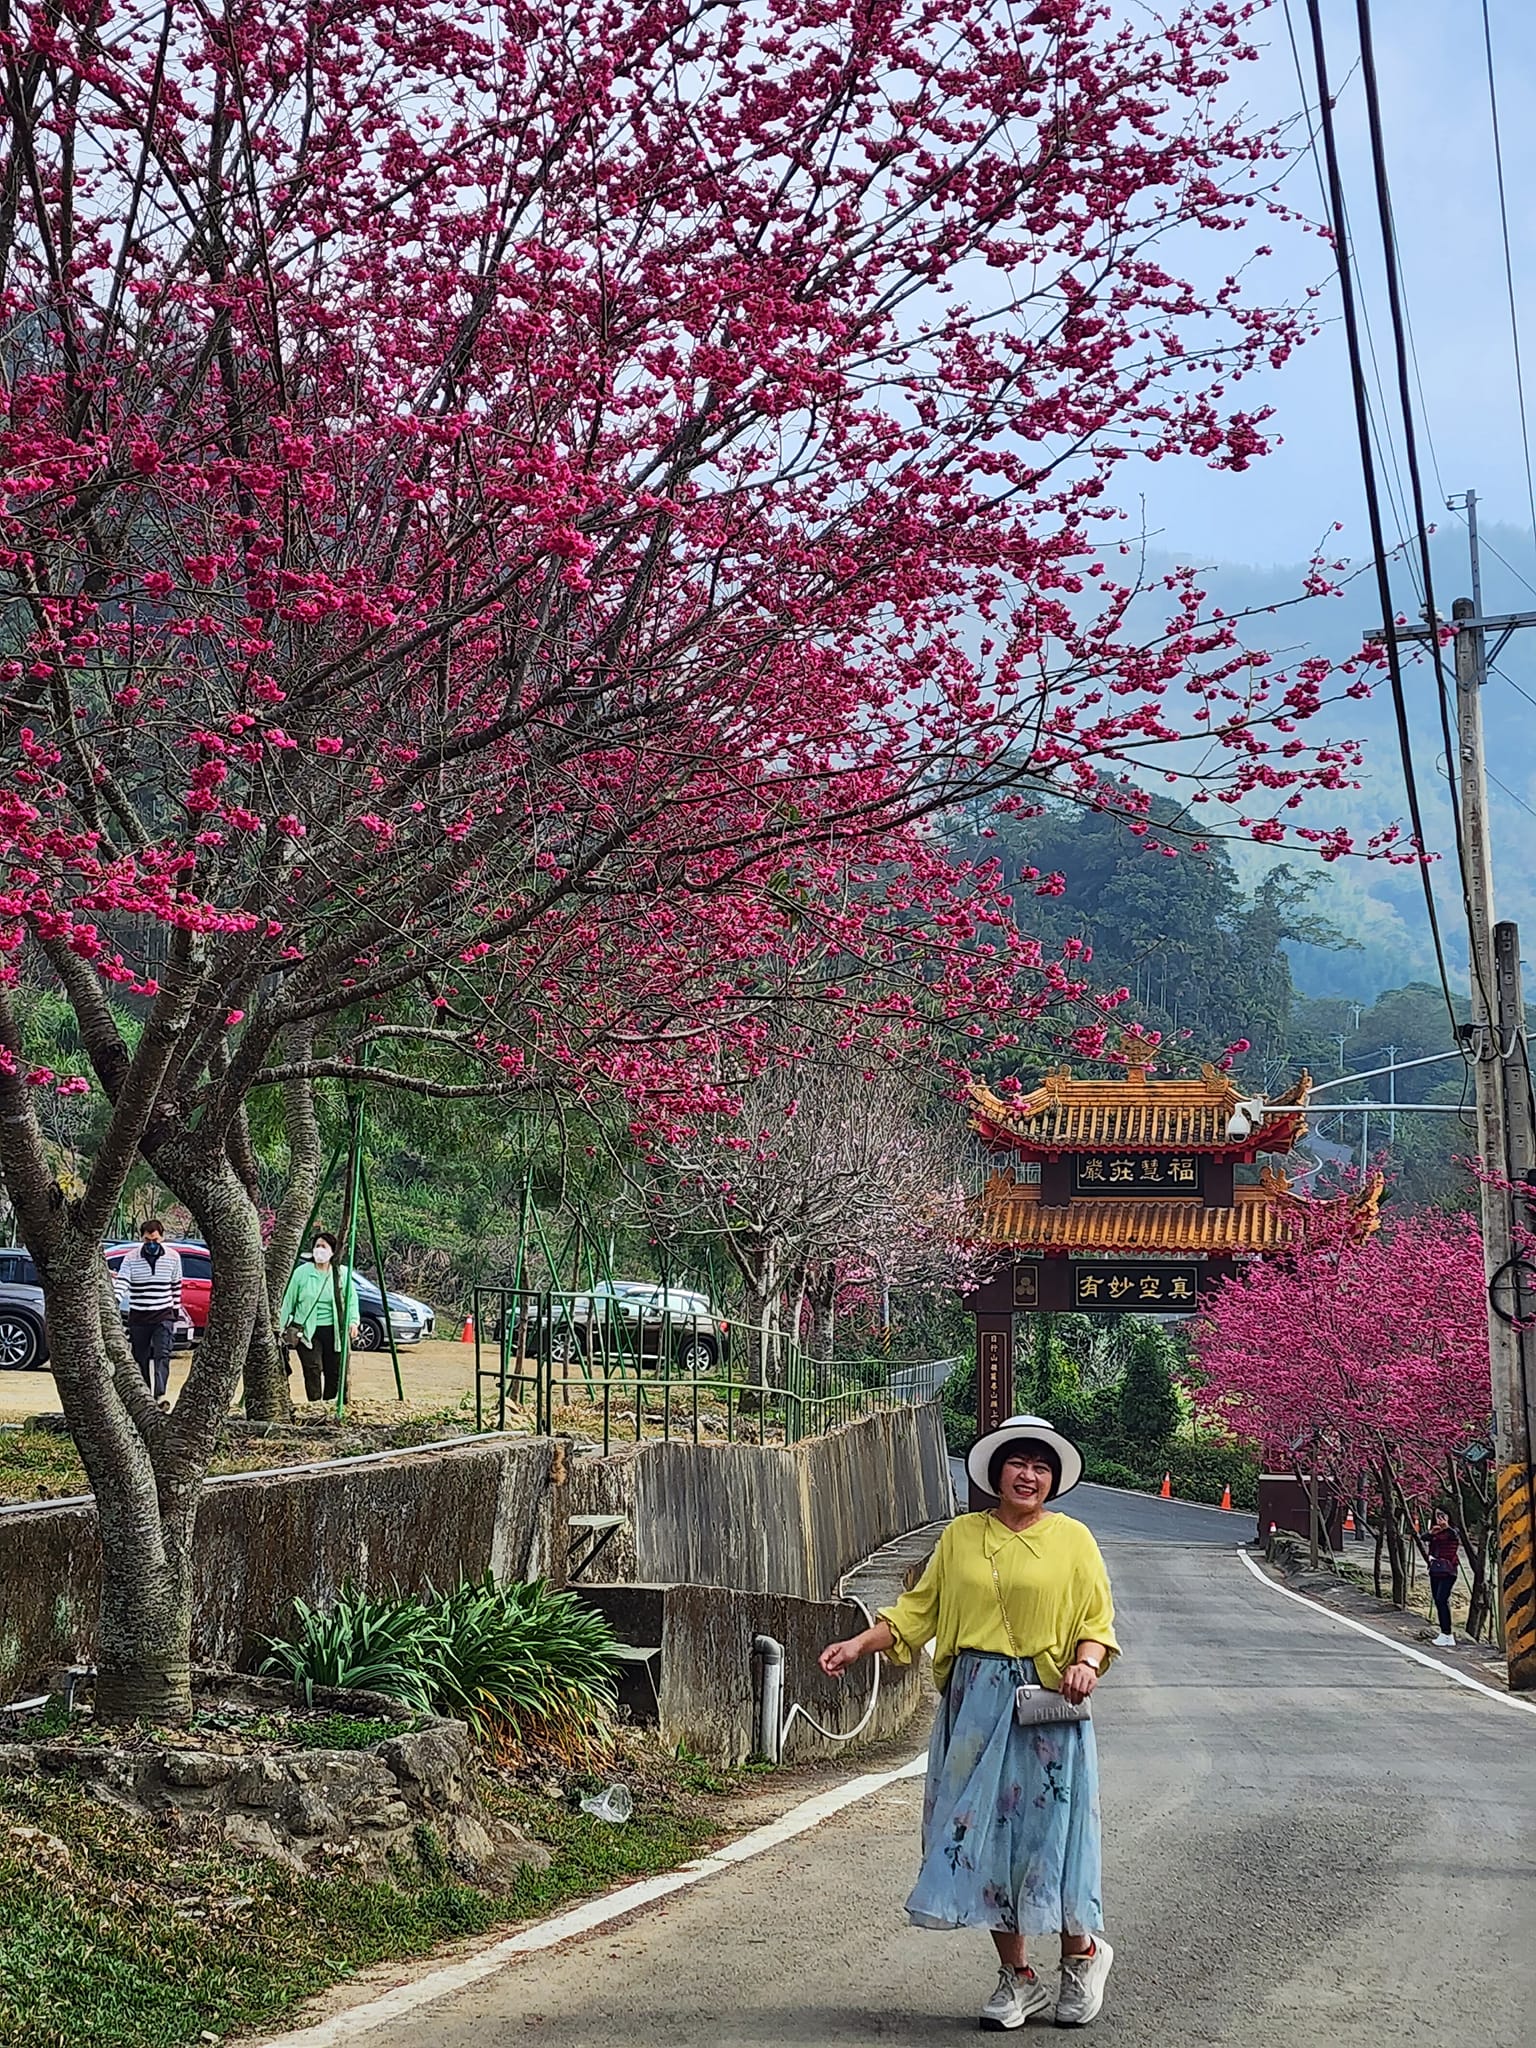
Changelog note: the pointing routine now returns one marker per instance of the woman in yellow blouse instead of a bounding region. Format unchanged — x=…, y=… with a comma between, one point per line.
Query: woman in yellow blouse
x=1012, y=1597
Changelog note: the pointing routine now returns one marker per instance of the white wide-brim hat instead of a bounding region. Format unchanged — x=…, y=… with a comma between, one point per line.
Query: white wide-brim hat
x=978, y=1459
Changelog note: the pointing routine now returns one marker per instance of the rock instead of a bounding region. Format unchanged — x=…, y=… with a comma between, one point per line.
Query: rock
x=197, y=1768
x=310, y=1815
x=249, y=1831
x=261, y=1783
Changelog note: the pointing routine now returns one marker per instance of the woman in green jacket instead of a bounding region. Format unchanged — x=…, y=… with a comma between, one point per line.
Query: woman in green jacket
x=308, y=1316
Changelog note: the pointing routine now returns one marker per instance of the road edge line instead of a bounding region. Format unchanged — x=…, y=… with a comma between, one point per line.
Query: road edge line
x=1362, y=1628
x=584, y=1919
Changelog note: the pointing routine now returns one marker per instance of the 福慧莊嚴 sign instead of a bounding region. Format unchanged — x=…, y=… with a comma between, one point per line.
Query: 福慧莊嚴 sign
x=1137, y=1173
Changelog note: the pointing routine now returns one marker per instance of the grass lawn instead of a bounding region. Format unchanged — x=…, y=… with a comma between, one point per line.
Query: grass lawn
x=113, y=1935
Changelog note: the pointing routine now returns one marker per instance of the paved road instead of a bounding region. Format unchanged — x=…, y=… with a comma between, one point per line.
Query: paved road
x=1310, y=1841
x=1114, y=1516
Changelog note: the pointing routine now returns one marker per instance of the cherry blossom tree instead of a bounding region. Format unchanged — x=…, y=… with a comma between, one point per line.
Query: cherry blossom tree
x=837, y=1169
x=1374, y=1348
x=515, y=519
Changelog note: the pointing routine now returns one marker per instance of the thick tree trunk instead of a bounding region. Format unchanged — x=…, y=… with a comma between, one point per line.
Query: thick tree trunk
x=146, y=1498
x=1391, y=1514
x=824, y=1314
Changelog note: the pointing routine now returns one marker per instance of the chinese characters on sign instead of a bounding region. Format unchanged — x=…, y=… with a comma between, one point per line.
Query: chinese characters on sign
x=1115, y=1284
x=1136, y=1173
x=994, y=1357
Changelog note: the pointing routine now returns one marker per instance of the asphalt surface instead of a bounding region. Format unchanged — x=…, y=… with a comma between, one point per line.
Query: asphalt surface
x=1116, y=1517
x=1310, y=1840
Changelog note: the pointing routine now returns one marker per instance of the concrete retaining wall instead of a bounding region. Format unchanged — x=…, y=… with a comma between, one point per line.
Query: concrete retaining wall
x=413, y=1518
x=707, y=1680
x=763, y=1519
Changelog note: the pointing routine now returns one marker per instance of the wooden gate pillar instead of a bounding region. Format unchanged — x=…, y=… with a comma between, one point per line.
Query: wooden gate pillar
x=992, y=1303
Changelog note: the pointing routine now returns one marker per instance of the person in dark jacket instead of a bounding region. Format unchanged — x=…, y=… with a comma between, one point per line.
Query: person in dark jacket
x=1444, y=1561
x=153, y=1274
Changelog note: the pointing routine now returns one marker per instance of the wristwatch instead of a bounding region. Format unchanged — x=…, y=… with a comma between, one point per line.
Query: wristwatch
x=1092, y=1663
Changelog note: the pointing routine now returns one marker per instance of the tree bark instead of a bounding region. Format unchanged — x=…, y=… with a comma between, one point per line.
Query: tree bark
x=267, y=1393
x=824, y=1312
x=146, y=1497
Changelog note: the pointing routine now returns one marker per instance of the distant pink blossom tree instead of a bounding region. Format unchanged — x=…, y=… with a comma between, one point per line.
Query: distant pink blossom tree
x=1373, y=1347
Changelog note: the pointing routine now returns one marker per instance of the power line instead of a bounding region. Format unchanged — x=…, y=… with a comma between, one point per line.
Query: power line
x=1513, y=796
x=1368, y=476
x=1518, y=688
x=1509, y=268
x=1405, y=403
x=1485, y=542
x=1385, y=449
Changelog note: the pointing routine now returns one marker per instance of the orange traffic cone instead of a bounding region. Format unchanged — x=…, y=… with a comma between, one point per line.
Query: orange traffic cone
x=1165, y=1491
x=1226, y=1498
x=467, y=1334
x=1349, y=1521
x=1272, y=1528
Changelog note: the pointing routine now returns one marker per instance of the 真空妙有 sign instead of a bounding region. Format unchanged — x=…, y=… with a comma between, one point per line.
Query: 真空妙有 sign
x=1135, y=1285
x=1137, y=1173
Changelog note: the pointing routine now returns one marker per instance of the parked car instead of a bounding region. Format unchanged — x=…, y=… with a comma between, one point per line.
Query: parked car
x=23, y=1326
x=621, y=1318
x=412, y=1320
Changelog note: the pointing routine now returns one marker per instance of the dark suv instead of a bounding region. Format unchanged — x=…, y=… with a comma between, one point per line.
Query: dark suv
x=638, y=1316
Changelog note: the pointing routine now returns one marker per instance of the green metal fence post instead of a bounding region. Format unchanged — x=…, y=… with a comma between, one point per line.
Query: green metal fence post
x=378, y=1267
x=343, y=1320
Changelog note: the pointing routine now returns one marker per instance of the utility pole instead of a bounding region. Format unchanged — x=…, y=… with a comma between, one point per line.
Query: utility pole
x=1392, y=1097
x=1520, y=1129
x=1497, y=1046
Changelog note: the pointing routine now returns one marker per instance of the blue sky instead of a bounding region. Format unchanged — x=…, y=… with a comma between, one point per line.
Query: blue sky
x=1433, y=83
x=1435, y=111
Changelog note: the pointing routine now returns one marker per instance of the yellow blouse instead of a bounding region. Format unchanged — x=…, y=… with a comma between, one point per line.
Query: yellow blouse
x=1053, y=1583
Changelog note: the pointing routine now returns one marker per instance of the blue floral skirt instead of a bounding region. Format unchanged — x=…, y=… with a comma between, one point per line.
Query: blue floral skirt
x=1010, y=1814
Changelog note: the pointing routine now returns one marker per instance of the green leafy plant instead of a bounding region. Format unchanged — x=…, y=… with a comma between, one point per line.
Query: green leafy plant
x=363, y=1643
x=507, y=1658
x=511, y=1657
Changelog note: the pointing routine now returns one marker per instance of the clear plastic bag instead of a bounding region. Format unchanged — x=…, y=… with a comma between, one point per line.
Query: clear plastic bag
x=614, y=1805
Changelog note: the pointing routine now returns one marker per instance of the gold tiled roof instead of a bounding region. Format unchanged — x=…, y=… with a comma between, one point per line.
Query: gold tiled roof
x=1065, y=1114
x=1265, y=1218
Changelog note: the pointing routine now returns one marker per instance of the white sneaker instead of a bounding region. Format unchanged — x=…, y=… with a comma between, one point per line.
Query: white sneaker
x=1082, y=1985
x=1018, y=1996
x=1445, y=1642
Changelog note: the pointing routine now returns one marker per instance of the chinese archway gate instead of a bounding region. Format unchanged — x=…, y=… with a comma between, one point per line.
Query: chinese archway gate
x=1128, y=1200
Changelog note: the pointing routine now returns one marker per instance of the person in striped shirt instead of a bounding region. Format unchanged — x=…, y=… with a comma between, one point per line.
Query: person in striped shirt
x=153, y=1274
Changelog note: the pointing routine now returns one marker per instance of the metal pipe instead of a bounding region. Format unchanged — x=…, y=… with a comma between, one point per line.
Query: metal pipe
x=769, y=1654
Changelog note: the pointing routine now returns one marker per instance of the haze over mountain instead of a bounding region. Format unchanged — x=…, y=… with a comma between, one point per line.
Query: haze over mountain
x=1378, y=904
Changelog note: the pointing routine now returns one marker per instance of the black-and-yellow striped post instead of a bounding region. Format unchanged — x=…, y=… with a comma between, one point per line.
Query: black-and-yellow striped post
x=1516, y=1499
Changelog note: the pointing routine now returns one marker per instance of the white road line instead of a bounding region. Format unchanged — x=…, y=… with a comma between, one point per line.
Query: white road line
x=629, y=1898
x=1491, y=1692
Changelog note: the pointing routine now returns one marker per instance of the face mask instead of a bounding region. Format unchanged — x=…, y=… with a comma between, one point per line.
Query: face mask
x=321, y=1255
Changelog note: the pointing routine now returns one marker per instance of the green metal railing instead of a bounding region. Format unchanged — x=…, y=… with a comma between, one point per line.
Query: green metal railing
x=662, y=1374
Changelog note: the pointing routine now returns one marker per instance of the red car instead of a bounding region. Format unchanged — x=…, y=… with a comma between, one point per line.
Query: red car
x=196, y=1274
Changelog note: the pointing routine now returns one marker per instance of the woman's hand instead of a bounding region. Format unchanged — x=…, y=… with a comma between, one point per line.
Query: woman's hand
x=1078, y=1681
x=837, y=1658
